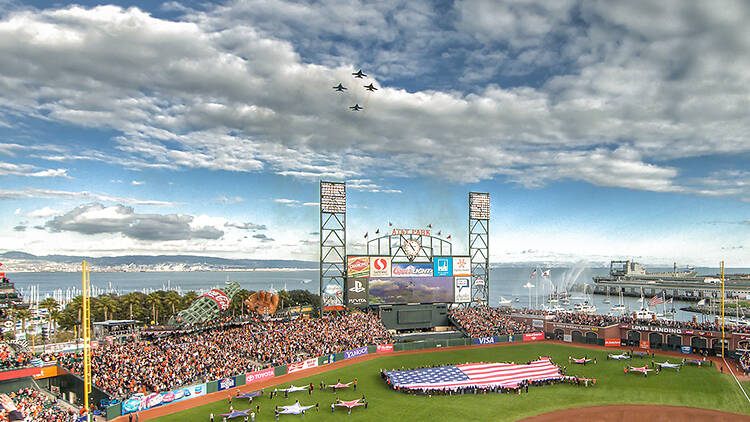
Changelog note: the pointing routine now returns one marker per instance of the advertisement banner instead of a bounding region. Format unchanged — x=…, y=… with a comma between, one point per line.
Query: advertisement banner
x=259, y=375
x=411, y=270
x=442, y=267
x=326, y=359
x=356, y=292
x=485, y=340
x=568, y=338
x=299, y=366
x=353, y=353
x=139, y=402
x=644, y=344
x=333, y=295
x=462, y=289
x=385, y=348
x=685, y=349
x=537, y=323
x=227, y=383
x=611, y=342
x=221, y=299
x=462, y=266
x=380, y=266
x=533, y=336
x=358, y=266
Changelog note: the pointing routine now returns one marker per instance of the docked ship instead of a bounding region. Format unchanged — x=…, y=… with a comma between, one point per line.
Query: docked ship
x=625, y=271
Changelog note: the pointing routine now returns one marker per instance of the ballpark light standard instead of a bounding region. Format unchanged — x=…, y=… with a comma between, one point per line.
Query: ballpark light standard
x=86, y=331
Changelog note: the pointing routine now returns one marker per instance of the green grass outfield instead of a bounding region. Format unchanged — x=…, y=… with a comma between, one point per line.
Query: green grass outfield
x=693, y=386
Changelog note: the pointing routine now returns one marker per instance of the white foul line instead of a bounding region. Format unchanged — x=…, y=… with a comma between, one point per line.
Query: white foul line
x=735, y=378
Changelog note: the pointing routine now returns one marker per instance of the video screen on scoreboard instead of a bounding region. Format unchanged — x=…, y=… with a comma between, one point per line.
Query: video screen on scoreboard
x=386, y=290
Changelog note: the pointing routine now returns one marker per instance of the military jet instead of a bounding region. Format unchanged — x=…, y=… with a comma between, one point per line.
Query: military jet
x=359, y=74
x=370, y=87
x=356, y=107
x=340, y=87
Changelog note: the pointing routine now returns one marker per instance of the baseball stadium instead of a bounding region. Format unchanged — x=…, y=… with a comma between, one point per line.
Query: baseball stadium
x=403, y=330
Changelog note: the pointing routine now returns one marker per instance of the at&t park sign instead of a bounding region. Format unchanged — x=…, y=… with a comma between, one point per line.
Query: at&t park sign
x=406, y=232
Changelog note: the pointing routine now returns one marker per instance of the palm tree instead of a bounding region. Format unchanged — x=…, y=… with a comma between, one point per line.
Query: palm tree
x=171, y=299
x=108, y=305
x=154, y=300
x=24, y=314
x=51, y=305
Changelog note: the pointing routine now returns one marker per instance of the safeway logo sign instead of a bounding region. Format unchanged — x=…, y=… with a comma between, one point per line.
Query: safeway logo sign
x=380, y=266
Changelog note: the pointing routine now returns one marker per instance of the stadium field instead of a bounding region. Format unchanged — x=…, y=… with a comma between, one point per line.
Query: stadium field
x=701, y=387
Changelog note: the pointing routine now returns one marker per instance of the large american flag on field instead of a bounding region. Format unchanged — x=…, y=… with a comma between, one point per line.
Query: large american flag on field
x=474, y=375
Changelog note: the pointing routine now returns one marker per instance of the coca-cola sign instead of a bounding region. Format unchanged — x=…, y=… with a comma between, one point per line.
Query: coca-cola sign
x=221, y=299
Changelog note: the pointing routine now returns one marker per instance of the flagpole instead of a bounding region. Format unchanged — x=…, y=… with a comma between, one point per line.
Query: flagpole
x=723, y=337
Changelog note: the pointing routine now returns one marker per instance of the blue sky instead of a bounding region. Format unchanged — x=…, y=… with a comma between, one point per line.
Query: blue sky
x=601, y=130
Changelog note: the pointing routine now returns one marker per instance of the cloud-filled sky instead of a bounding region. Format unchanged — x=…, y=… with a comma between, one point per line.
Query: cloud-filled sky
x=602, y=130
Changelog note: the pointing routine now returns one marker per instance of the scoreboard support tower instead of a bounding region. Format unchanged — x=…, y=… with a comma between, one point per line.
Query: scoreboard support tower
x=479, y=247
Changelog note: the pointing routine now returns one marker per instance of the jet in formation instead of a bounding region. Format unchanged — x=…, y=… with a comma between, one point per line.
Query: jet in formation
x=356, y=107
x=359, y=74
x=340, y=87
x=370, y=87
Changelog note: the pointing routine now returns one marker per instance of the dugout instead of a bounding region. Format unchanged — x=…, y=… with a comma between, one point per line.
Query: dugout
x=425, y=317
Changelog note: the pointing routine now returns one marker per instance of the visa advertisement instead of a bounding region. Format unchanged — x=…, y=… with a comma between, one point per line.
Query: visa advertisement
x=389, y=290
x=139, y=402
x=442, y=267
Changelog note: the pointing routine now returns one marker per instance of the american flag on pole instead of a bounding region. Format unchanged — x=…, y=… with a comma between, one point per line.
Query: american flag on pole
x=656, y=300
x=474, y=375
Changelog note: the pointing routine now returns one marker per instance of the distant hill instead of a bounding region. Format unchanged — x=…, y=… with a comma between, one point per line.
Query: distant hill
x=164, y=259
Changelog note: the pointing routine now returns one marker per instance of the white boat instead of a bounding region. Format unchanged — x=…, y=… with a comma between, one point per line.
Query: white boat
x=607, y=301
x=565, y=301
x=518, y=299
x=645, y=314
x=584, y=308
x=504, y=302
x=552, y=300
x=557, y=308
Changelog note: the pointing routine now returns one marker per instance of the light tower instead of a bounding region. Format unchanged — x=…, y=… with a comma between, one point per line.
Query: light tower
x=479, y=247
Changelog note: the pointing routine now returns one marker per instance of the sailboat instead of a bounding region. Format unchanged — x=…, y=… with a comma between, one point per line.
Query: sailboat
x=620, y=307
x=669, y=312
x=607, y=301
x=504, y=302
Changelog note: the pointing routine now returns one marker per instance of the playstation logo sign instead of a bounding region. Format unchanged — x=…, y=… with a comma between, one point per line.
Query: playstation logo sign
x=358, y=288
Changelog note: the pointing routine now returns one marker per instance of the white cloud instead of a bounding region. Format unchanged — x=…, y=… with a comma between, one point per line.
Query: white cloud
x=10, y=169
x=640, y=84
x=287, y=202
x=17, y=211
x=136, y=183
x=224, y=200
x=45, y=212
x=52, y=193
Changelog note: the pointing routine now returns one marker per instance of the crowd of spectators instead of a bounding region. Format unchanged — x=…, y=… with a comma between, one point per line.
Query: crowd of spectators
x=486, y=322
x=12, y=360
x=745, y=363
x=175, y=360
x=35, y=406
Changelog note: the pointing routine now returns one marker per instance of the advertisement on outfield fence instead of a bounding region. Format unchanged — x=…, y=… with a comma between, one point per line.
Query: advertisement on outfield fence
x=533, y=336
x=385, y=348
x=356, y=291
x=442, y=267
x=333, y=295
x=358, y=266
x=485, y=340
x=227, y=383
x=568, y=338
x=612, y=342
x=299, y=366
x=380, y=266
x=259, y=375
x=411, y=270
x=644, y=344
x=326, y=359
x=685, y=349
x=461, y=266
x=140, y=402
x=353, y=353
x=462, y=289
